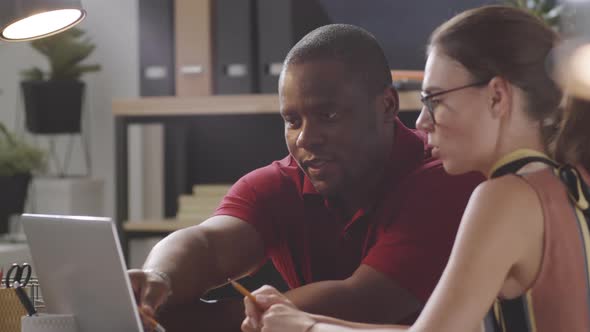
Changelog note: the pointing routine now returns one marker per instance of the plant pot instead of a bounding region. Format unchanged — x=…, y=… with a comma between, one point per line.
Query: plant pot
x=53, y=107
x=13, y=194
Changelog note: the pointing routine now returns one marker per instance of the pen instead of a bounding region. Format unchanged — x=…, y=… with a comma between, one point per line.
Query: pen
x=157, y=326
x=24, y=299
x=244, y=291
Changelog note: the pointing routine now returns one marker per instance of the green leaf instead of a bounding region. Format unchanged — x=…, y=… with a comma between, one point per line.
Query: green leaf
x=542, y=9
x=65, y=52
x=17, y=156
x=33, y=74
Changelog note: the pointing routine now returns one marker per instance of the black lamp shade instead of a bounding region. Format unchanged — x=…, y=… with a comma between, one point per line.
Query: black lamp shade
x=57, y=15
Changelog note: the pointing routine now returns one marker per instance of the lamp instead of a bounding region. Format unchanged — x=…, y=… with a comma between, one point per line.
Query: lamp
x=573, y=56
x=31, y=19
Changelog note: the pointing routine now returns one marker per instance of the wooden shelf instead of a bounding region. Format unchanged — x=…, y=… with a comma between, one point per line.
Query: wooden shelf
x=416, y=75
x=222, y=104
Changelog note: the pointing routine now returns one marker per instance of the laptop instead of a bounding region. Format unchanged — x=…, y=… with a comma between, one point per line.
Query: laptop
x=81, y=271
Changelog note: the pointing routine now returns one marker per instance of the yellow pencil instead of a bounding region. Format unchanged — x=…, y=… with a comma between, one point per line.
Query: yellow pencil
x=244, y=291
x=155, y=325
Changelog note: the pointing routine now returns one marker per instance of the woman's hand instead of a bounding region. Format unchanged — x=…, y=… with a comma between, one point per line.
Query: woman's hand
x=267, y=298
x=286, y=318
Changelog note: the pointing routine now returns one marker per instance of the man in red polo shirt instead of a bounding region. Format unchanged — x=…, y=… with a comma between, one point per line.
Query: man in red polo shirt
x=358, y=219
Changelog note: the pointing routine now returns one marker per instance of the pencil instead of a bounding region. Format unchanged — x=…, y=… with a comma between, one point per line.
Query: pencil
x=244, y=291
x=157, y=326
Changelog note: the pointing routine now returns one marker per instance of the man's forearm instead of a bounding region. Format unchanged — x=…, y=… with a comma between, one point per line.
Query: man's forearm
x=336, y=299
x=367, y=296
x=329, y=324
x=183, y=256
x=328, y=327
x=328, y=298
x=201, y=257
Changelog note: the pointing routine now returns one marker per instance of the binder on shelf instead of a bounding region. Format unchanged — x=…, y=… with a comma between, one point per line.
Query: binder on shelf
x=281, y=23
x=234, y=47
x=193, y=47
x=156, y=47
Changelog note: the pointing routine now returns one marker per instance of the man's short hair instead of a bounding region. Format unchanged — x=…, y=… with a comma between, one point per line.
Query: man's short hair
x=354, y=47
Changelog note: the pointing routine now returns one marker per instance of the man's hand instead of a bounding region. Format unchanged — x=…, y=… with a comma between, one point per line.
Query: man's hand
x=266, y=296
x=151, y=289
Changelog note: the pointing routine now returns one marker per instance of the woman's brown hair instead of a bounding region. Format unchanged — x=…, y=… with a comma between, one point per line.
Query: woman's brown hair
x=508, y=42
x=573, y=142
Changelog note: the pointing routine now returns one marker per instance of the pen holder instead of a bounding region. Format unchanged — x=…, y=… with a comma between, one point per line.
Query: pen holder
x=11, y=311
x=49, y=323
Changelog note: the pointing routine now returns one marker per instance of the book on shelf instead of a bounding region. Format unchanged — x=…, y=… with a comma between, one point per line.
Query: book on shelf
x=202, y=203
x=192, y=200
x=197, y=218
x=217, y=189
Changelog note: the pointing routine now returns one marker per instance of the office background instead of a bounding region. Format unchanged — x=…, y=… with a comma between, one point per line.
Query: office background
x=136, y=47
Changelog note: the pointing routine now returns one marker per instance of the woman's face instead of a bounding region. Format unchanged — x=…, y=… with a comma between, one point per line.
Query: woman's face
x=461, y=133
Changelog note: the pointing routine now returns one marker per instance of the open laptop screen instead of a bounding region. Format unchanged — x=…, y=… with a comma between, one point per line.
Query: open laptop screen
x=81, y=270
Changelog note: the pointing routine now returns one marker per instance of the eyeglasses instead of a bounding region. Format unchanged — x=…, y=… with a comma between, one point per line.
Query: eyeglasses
x=431, y=104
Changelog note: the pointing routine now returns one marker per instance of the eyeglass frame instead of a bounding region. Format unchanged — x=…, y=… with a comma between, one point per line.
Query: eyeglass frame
x=426, y=99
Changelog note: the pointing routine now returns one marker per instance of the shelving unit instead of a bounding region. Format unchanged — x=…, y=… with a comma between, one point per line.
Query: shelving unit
x=174, y=111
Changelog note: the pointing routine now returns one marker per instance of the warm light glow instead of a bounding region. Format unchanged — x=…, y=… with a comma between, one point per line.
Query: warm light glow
x=42, y=24
x=579, y=81
x=581, y=63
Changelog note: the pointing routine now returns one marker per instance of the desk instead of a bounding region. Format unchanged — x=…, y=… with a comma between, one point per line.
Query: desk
x=174, y=111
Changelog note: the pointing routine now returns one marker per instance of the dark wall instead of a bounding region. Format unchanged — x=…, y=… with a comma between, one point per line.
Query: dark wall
x=224, y=148
x=402, y=27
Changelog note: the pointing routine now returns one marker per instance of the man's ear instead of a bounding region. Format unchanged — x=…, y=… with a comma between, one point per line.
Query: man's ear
x=500, y=97
x=391, y=104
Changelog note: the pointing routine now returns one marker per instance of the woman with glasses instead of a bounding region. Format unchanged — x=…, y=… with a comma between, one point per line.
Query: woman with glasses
x=489, y=101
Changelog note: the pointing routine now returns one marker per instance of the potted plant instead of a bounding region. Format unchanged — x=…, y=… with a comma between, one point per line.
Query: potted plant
x=18, y=160
x=53, y=99
x=547, y=10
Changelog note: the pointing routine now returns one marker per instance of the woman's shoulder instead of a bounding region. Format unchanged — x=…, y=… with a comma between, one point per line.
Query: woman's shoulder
x=502, y=222
x=508, y=190
x=507, y=202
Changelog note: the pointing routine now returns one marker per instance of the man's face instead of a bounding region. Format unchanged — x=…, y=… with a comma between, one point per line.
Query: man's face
x=333, y=128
